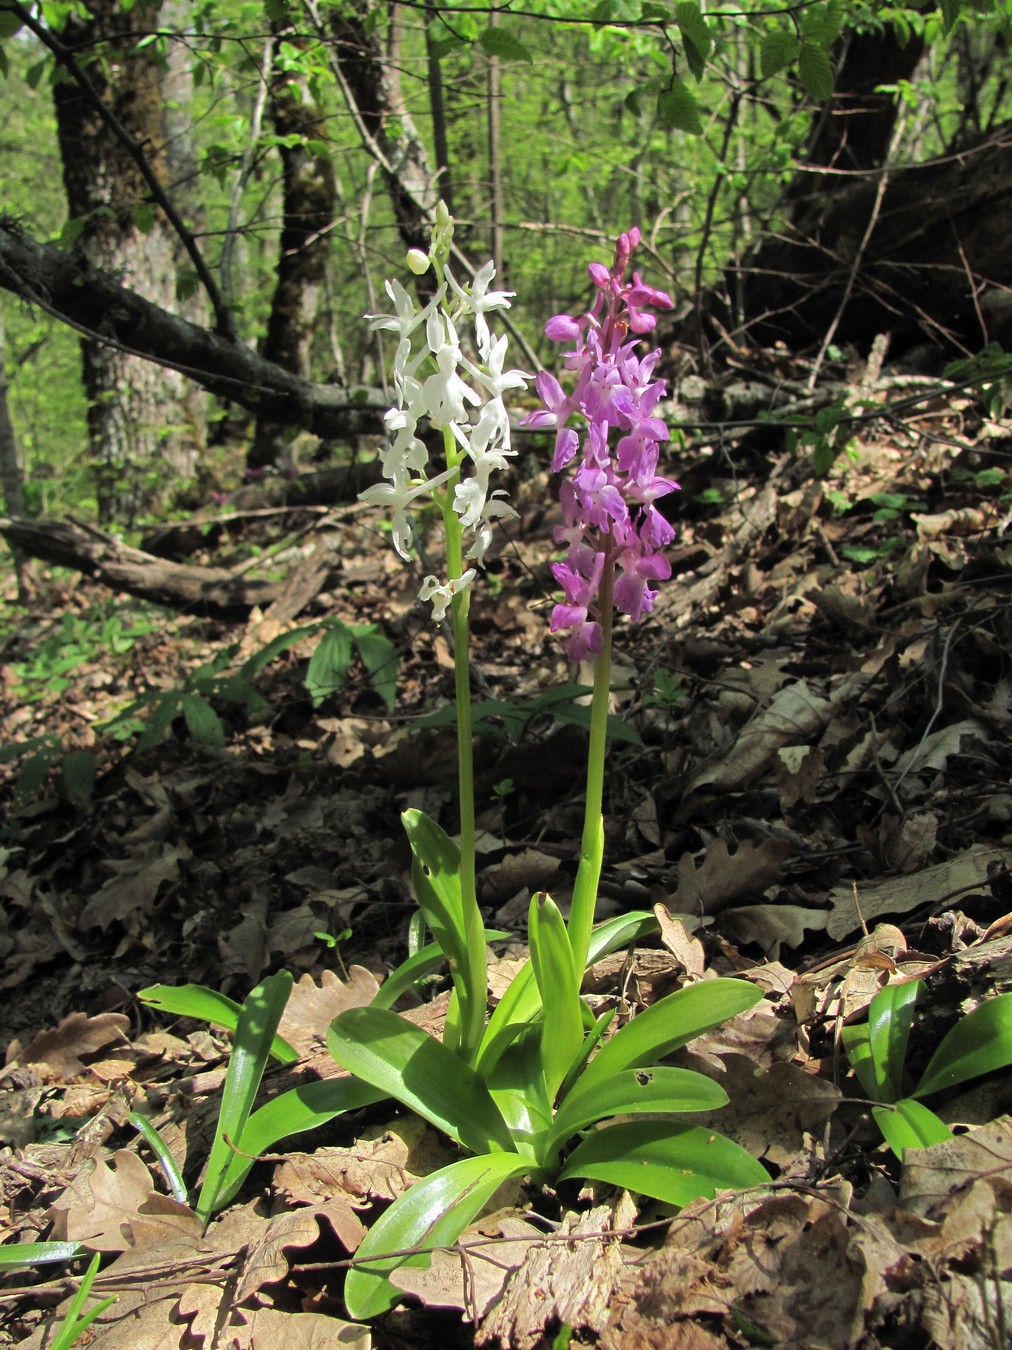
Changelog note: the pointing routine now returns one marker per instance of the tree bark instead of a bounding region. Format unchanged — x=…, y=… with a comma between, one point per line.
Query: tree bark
x=205, y=590
x=66, y=286
x=136, y=418
x=309, y=198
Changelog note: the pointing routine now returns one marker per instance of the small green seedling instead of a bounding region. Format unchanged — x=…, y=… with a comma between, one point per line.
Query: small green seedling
x=979, y=1043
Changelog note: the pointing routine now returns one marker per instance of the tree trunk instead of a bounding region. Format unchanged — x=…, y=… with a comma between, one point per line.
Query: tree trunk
x=370, y=83
x=11, y=478
x=309, y=197
x=136, y=418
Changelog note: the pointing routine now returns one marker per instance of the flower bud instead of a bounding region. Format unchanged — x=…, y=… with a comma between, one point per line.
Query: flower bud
x=417, y=261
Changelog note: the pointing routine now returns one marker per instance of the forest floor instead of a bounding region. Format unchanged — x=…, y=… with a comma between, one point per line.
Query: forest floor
x=810, y=779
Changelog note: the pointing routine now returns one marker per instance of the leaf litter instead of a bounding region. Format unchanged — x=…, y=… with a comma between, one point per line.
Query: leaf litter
x=815, y=797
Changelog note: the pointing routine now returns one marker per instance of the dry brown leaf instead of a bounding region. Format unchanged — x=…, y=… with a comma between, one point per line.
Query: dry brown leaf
x=379, y=1166
x=136, y=888
x=473, y=1275
x=100, y=1204
x=929, y=887
x=529, y=870
x=268, y=1329
x=688, y=951
x=58, y=1054
x=723, y=876
x=312, y=1007
x=771, y=926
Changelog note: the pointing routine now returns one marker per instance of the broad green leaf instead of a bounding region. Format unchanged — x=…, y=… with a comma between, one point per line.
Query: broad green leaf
x=207, y=1005
x=561, y=1037
x=255, y=663
x=202, y=722
x=816, y=71
x=821, y=23
x=435, y=873
x=17, y=1255
x=778, y=49
x=78, y=769
x=518, y=1087
x=433, y=1213
x=424, y=962
x=951, y=10
x=673, y=1163
x=254, y=1034
x=890, y=1017
x=9, y=23
x=695, y=35
x=328, y=665
x=632, y=1092
x=502, y=43
x=678, y=109
x=909, y=1124
x=856, y=1040
x=979, y=1043
x=405, y=1062
x=379, y=656
x=293, y=1112
x=671, y=1023
x=166, y=1162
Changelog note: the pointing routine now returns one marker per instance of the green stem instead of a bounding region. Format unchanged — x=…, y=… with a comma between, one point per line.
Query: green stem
x=474, y=929
x=588, y=876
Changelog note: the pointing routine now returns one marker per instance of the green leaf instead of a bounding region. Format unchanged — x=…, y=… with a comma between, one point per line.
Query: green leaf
x=73, y=1326
x=207, y=1005
x=433, y=1213
x=144, y=217
x=695, y=36
x=293, y=1112
x=670, y=1023
x=424, y=962
x=329, y=663
x=816, y=71
x=9, y=24
x=254, y=1034
x=500, y=42
x=561, y=1035
x=18, y=1255
x=518, y=1087
x=673, y=1163
x=203, y=723
x=78, y=771
x=678, y=109
x=166, y=1162
x=778, y=49
x=585, y=888
x=877, y=1049
x=405, y=1062
x=632, y=1092
x=435, y=874
x=951, y=10
x=909, y=1124
x=979, y=1043
x=379, y=656
x=822, y=23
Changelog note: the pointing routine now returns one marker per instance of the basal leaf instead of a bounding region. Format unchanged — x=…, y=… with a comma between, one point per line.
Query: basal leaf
x=424, y=962
x=671, y=1023
x=632, y=1092
x=518, y=1087
x=258, y=1021
x=306, y=1107
x=561, y=1035
x=890, y=1017
x=909, y=1124
x=405, y=1062
x=202, y=722
x=18, y=1255
x=979, y=1043
x=433, y=1213
x=207, y=1005
x=328, y=665
x=672, y=1163
x=379, y=656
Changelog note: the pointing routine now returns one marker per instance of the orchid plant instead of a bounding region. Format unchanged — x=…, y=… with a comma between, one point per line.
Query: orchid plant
x=517, y=1090
x=526, y=1090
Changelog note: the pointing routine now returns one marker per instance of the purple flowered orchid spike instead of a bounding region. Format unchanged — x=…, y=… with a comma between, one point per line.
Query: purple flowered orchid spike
x=609, y=510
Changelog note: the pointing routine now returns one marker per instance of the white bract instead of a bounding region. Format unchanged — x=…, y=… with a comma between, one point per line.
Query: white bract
x=463, y=398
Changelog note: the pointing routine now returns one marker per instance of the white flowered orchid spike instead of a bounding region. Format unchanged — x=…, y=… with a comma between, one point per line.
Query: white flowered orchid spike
x=460, y=395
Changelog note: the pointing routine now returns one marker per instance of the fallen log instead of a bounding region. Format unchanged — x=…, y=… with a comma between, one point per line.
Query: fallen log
x=213, y=591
